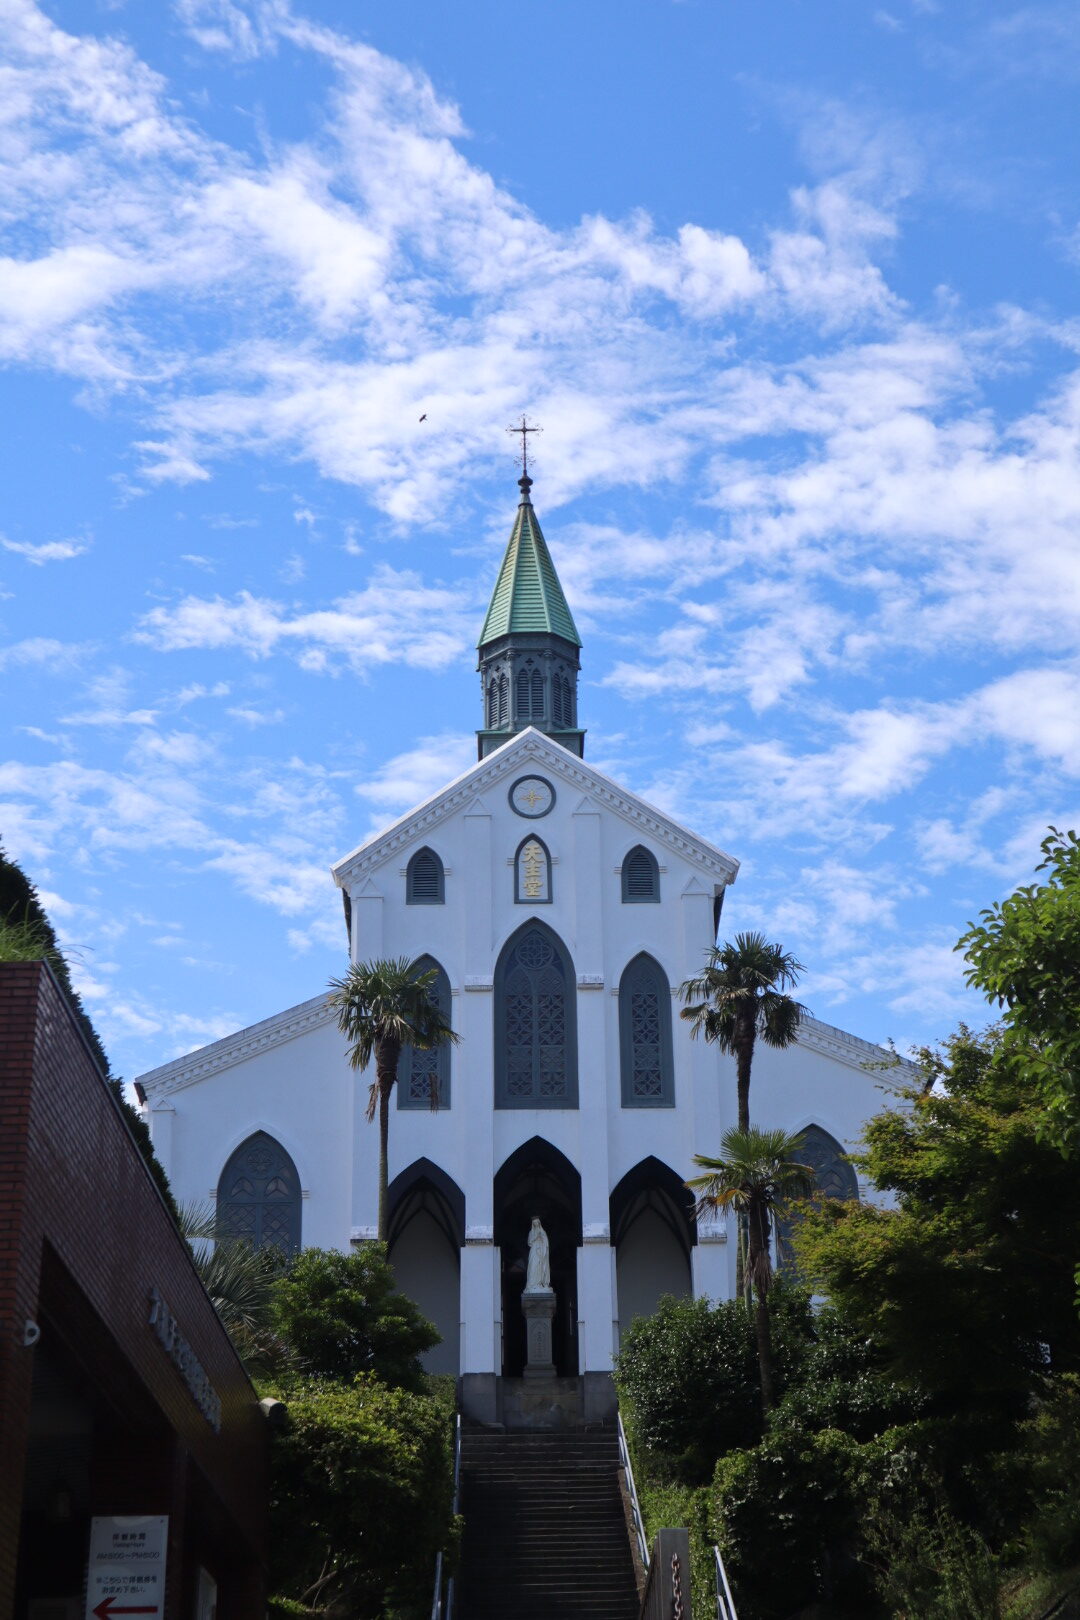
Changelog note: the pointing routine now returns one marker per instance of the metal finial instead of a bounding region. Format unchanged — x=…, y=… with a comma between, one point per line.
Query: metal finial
x=524, y=428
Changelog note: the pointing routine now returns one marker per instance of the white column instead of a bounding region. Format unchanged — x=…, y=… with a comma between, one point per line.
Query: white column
x=713, y=1260
x=160, y=1121
x=596, y=1302
x=480, y=1317
x=367, y=920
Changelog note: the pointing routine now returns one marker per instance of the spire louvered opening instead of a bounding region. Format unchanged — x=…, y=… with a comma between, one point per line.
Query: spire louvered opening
x=424, y=879
x=640, y=877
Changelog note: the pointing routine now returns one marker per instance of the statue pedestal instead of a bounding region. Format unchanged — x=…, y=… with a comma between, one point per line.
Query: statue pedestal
x=538, y=1308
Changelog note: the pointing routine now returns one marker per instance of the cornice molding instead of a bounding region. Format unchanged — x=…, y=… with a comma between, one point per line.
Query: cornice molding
x=854, y=1051
x=233, y=1049
x=532, y=746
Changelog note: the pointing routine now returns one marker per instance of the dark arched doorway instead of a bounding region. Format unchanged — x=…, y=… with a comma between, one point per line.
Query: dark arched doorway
x=538, y=1180
x=426, y=1232
x=653, y=1230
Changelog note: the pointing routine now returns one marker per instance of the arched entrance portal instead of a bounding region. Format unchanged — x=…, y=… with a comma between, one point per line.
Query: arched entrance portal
x=653, y=1229
x=427, y=1229
x=538, y=1180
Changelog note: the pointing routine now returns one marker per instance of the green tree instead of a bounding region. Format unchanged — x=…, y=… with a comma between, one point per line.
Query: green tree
x=360, y=1498
x=381, y=1007
x=741, y=995
x=342, y=1315
x=967, y=1284
x=1025, y=955
x=755, y=1173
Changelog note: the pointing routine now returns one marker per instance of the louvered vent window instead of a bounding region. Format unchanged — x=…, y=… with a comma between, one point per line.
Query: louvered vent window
x=492, y=702
x=640, y=877
x=424, y=879
x=504, y=699
x=529, y=694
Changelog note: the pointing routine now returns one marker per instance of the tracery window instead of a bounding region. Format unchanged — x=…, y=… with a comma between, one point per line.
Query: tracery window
x=424, y=879
x=640, y=877
x=422, y=1075
x=258, y=1196
x=535, y=1023
x=645, y=1055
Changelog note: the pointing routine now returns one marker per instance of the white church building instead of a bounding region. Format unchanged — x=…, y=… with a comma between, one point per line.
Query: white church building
x=562, y=912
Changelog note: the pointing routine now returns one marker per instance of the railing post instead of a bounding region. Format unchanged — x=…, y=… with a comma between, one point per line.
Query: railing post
x=667, y=1592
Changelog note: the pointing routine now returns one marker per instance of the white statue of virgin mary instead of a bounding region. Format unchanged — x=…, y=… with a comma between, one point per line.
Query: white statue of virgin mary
x=538, y=1277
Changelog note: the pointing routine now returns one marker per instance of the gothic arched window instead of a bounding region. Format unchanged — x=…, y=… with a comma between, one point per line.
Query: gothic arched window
x=834, y=1177
x=536, y=692
x=424, y=879
x=833, y=1174
x=492, y=702
x=504, y=698
x=424, y=1075
x=645, y=1056
x=535, y=1022
x=258, y=1196
x=640, y=877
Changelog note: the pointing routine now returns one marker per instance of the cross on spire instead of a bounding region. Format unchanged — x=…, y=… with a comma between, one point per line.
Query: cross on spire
x=524, y=428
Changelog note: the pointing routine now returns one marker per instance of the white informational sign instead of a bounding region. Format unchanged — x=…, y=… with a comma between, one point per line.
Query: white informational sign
x=126, y=1569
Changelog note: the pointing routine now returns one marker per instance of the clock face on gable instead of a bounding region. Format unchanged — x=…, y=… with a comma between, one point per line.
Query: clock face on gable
x=531, y=796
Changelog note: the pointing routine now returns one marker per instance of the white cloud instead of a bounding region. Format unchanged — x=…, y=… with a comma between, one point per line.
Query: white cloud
x=411, y=777
x=395, y=619
x=47, y=550
x=44, y=652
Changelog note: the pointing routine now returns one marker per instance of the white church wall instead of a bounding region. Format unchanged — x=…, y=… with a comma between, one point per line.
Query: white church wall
x=650, y=1263
x=300, y=1093
x=427, y=1269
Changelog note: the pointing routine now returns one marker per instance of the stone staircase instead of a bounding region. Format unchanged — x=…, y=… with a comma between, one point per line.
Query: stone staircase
x=545, y=1530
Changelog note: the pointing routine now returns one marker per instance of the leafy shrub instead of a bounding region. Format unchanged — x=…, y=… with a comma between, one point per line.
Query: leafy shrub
x=687, y=1380
x=342, y=1315
x=840, y=1382
x=360, y=1498
x=784, y=1517
x=930, y=1567
x=1049, y=1459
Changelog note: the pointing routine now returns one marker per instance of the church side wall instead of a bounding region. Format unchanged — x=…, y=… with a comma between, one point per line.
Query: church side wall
x=301, y=1093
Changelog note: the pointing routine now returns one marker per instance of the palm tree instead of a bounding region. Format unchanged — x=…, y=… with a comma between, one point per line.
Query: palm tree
x=241, y=1281
x=382, y=1006
x=739, y=996
x=755, y=1172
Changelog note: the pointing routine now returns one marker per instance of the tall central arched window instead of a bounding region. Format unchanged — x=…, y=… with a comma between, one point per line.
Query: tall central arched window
x=422, y=1075
x=258, y=1197
x=535, y=1022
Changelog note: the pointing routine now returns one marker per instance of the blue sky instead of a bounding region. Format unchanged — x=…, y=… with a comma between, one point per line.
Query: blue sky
x=792, y=290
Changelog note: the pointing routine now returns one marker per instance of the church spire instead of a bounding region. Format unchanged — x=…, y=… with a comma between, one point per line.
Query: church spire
x=529, y=646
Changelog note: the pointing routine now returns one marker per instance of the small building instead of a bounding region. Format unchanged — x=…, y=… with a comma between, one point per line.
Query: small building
x=121, y=1396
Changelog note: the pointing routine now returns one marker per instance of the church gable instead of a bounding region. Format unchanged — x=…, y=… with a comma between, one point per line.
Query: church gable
x=497, y=773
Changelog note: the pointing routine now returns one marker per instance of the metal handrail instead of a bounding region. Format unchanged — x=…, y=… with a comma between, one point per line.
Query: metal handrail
x=725, y=1603
x=635, y=1505
x=439, y=1610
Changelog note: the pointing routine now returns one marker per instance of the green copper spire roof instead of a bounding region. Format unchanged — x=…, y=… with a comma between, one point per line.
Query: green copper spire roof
x=527, y=595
